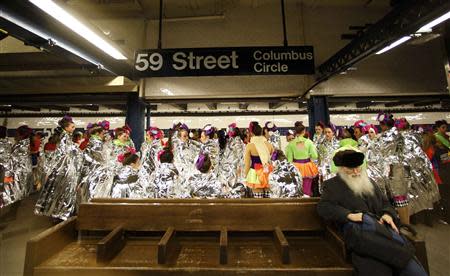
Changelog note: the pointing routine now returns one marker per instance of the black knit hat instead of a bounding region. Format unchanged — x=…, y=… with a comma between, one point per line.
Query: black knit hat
x=348, y=158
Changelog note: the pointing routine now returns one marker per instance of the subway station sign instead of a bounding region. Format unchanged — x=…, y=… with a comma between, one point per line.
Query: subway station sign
x=297, y=60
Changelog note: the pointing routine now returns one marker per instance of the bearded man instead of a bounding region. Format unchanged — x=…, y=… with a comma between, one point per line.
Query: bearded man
x=367, y=220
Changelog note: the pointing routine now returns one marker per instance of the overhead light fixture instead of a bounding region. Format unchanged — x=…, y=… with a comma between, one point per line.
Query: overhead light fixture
x=75, y=25
x=166, y=91
x=429, y=27
x=393, y=45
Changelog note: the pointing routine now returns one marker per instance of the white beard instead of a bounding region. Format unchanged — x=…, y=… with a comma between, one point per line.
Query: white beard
x=360, y=185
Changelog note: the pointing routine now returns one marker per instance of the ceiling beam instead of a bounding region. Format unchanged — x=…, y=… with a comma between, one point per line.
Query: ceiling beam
x=90, y=107
x=180, y=106
x=64, y=99
x=425, y=103
x=212, y=106
x=400, y=21
x=56, y=107
x=364, y=104
x=243, y=106
x=275, y=105
x=26, y=108
x=122, y=107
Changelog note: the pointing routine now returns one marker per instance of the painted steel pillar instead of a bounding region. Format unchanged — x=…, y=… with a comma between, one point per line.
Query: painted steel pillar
x=148, y=115
x=446, y=41
x=136, y=118
x=317, y=112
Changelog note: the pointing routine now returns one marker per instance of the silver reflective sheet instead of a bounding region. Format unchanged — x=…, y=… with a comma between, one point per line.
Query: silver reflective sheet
x=211, y=147
x=9, y=193
x=164, y=182
x=96, y=171
x=326, y=151
x=149, y=155
x=275, y=139
x=423, y=191
x=285, y=180
x=318, y=139
x=375, y=162
x=22, y=167
x=203, y=185
x=128, y=183
x=184, y=156
x=231, y=167
x=58, y=196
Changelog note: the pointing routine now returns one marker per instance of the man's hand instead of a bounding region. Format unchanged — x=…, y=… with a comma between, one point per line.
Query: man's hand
x=388, y=219
x=357, y=217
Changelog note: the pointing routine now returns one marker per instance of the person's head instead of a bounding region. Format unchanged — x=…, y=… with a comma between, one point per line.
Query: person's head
x=97, y=131
x=222, y=136
x=348, y=133
x=122, y=134
x=77, y=137
x=131, y=159
x=372, y=133
x=67, y=124
x=165, y=156
x=3, y=132
x=290, y=135
x=441, y=126
x=278, y=155
x=183, y=135
x=329, y=133
x=207, y=133
x=429, y=140
x=319, y=128
x=23, y=132
x=203, y=163
x=358, y=132
x=232, y=130
x=350, y=168
x=300, y=129
x=255, y=129
x=266, y=132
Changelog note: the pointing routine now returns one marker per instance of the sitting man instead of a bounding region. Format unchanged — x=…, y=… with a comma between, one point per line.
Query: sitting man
x=366, y=219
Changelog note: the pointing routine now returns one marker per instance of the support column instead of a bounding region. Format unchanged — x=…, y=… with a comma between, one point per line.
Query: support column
x=317, y=112
x=136, y=118
x=147, y=122
x=447, y=53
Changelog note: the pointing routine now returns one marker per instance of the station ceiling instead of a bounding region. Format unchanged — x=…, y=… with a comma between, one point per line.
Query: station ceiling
x=28, y=68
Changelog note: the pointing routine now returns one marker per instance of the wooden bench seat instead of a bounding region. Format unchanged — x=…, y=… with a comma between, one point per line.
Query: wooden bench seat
x=180, y=237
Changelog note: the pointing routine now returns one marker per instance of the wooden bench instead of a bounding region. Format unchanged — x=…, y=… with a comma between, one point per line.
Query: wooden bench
x=184, y=237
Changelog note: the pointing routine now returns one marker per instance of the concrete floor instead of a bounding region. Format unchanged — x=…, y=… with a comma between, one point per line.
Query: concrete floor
x=14, y=236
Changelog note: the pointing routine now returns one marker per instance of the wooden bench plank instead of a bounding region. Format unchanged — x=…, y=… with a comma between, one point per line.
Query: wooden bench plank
x=223, y=246
x=282, y=245
x=292, y=215
x=166, y=245
x=110, y=245
x=47, y=243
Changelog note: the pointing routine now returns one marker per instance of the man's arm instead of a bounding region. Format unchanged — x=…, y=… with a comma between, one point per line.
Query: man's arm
x=328, y=207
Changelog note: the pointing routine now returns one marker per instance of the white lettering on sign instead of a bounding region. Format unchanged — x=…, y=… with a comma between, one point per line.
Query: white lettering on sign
x=181, y=61
x=154, y=62
x=262, y=67
x=291, y=55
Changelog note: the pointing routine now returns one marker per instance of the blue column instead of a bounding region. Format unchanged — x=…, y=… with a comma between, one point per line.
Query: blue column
x=136, y=118
x=147, y=122
x=317, y=111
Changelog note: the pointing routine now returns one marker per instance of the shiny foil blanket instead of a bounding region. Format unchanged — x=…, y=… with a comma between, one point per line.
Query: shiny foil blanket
x=129, y=183
x=275, y=139
x=164, y=182
x=149, y=155
x=318, y=139
x=285, y=180
x=375, y=162
x=58, y=195
x=231, y=167
x=326, y=151
x=211, y=147
x=203, y=185
x=22, y=167
x=9, y=193
x=185, y=154
x=96, y=171
x=423, y=191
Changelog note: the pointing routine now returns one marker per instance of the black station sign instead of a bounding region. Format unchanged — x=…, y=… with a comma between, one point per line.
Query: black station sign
x=297, y=60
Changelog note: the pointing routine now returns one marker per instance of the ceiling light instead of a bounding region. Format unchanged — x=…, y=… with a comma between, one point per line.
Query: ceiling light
x=166, y=91
x=393, y=45
x=75, y=25
x=428, y=27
